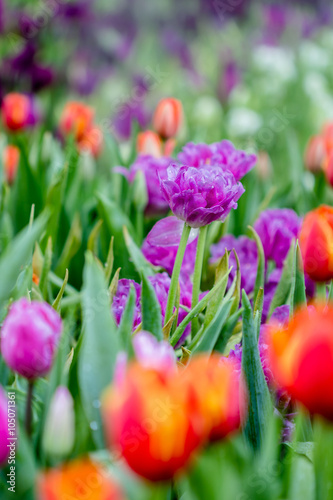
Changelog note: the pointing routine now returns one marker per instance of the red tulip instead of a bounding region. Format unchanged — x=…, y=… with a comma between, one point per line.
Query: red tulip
x=18, y=111
x=168, y=117
x=315, y=154
x=10, y=159
x=77, y=119
x=221, y=392
x=151, y=417
x=316, y=242
x=149, y=143
x=301, y=358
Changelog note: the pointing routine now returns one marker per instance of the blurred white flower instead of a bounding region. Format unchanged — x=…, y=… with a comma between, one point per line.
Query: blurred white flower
x=243, y=121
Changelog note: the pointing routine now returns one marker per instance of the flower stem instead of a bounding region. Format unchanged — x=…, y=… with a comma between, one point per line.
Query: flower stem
x=176, y=272
x=28, y=410
x=321, y=292
x=197, y=275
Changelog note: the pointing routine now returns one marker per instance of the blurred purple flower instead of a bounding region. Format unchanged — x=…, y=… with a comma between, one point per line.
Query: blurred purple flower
x=246, y=250
x=223, y=154
x=161, y=245
x=277, y=228
x=154, y=169
x=153, y=354
x=230, y=78
x=200, y=195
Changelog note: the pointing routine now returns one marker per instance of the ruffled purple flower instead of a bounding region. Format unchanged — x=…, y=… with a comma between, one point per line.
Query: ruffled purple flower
x=120, y=300
x=200, y=195
x=161, y=245
x=277, y=228
x=154, y=169
x=161, y=285
x=246, y=250
x=222, y=154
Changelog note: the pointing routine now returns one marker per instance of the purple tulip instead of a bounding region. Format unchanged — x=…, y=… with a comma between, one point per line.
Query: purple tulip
x=161, y=245
x=120, y=300
x=222, y=154
x=161, y=285
x=29, y=337
x=4, y=429
x=200, y=195
x=246, y=250
x=277, y=228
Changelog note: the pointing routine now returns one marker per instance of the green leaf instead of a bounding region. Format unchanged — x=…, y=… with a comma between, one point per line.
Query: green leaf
x=197, y=310
x=57, y=301
x=140, y=262
x=16, y=255
x=283, y=289
x=258, y=310
x=212, y=332
x=126, y=324
x=100, y=344
x=46, y=268
x=220, y=272
x=259, y=401
x=236, y=293
x=114, y=221
x=260, y=279
x=227, y=331
x=298, y=295
x=151, y=309
x=54, y=201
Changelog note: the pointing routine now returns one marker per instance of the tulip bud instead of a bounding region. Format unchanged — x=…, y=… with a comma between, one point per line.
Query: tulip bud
x=4, y=429
x=76, y=119
x=315, y=154
x=168, y=117
x=29, y=337
x=59, y=430
x=10, y=159
x=221, y=391
x=301, y=358
x=169, y=146
x=81, y=479
x=91, y=142
x=328, y=168
x=149, y=143
x=152, y=419
x=18, y=111
x=316, y=243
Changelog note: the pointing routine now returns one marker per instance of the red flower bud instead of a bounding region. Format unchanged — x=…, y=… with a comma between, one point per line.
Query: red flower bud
x=168, y=117
x=149, y=143
x=81, y=479
x=10, y=159
x=301, y=358
x=18, y=111
x=77, y=119
x=316, y=242
x=315, y=154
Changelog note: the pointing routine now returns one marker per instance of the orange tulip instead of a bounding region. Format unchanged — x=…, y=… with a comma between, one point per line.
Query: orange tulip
x=77, y=119
x=81, y=479
x=151, y=417
x=301, y=358
x=315, y=154
x=221, y=393
x=18, y=111
x=168, y=117
x=327, y=136
x=91, y=142
x=316, y=242
x=149, y=143
x=10, y=159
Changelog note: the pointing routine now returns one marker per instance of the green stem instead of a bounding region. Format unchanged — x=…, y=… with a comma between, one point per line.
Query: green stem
x=28, y=409
x=321, y=292
x=197, y=275
x=176, y=272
